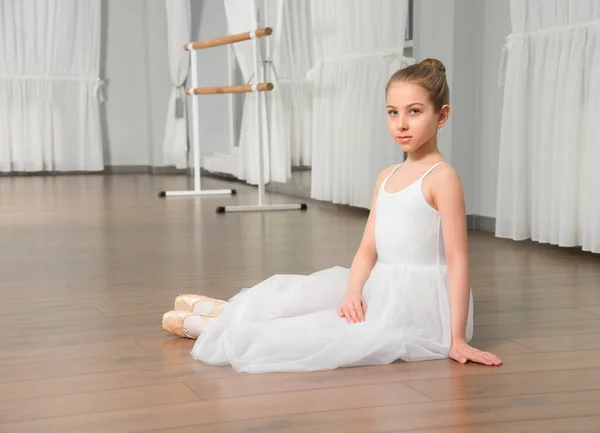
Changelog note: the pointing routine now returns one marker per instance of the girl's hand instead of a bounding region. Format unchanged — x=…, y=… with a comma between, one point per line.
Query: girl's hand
x=461, y=352
x=353, y=308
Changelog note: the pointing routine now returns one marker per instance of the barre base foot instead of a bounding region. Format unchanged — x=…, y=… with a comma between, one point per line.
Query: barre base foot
x=262, y=208
x=197, y=193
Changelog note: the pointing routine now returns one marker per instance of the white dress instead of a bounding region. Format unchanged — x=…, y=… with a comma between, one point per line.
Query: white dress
x=289, y=323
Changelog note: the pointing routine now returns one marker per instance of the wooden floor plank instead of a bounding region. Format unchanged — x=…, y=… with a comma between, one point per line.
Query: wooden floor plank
x=588, y=424
x=63, y=353
x=97, y=401
x=29, y=330
x=94, y=364
x=592, y=310
x=517, y=303
x=563, y=343
x=538, y=329
x=40, y=319
x=546, y=382
x=534, y=316
x=107, y=380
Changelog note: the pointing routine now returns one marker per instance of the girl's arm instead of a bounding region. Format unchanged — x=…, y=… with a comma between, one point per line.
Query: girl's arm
x=353, y=307
x=448, y=197
x=366, y=255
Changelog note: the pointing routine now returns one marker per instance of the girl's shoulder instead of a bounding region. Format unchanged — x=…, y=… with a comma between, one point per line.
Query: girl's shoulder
x=383, y=174
x=388, y=170
x=444, y=172
x=443, y=183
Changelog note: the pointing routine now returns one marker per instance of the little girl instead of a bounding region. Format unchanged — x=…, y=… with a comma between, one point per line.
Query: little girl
x=407, y=295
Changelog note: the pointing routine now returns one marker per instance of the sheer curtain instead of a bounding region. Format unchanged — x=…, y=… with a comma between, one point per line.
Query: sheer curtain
x=175, y=142
x=290, y=103
x=241, y=17
x=50, y=88
x=358, y=45
x=548, y=178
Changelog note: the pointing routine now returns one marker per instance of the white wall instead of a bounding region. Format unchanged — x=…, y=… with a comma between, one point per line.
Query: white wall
x=158, y=83
x=467, y=36
x=496, y=22
x=210, y=22
x=433, y=36
x=138, y=82
x=127, y=130
x=445, y=31
x=465, y=84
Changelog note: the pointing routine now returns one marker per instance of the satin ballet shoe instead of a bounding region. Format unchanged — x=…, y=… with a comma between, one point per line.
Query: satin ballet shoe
x=173, y=322
x=187, y=302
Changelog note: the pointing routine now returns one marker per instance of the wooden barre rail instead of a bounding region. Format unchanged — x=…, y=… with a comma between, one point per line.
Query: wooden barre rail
x=259, y=33
x=245, y=88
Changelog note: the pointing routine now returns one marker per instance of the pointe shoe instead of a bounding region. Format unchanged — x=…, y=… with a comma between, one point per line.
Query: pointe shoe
x=173, y=323
x=187, y=302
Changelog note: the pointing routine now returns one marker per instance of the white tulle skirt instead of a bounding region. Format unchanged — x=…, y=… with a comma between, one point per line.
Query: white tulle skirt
x=289, y=323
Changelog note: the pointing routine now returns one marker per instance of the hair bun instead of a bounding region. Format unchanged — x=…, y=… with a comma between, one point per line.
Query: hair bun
x=435, y=64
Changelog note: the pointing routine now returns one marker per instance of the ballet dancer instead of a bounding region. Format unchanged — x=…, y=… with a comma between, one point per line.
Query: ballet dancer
x=407, y=294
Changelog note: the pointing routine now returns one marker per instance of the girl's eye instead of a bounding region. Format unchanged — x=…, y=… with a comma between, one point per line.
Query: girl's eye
x=392, y=112
x=415, y=111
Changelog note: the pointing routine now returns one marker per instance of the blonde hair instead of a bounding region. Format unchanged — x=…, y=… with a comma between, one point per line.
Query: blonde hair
x=431, y=75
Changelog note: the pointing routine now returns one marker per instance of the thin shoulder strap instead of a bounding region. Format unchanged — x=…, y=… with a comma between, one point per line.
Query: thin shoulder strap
x=432, y=167
x=389, y=175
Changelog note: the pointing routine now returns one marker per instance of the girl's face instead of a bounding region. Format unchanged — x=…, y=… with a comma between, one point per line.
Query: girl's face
x=412, y=120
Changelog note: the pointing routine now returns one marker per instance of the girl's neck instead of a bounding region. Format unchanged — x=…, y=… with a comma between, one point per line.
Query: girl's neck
x=427, y=153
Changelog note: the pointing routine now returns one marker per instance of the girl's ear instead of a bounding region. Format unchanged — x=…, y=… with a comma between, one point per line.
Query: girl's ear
x=443, y=116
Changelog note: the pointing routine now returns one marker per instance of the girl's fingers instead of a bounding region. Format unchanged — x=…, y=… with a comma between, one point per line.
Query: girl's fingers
x=359, y=312
x=348, y=314
x=353, y=313
x=481, y=358
x=493, y=358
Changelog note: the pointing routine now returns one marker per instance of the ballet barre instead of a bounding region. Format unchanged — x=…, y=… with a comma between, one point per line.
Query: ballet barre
x=195, y=90
x=244, y=88
x=257, y=87
x=231, y=39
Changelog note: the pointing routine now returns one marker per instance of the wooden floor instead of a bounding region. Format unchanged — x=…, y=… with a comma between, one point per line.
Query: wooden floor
x=88, y=264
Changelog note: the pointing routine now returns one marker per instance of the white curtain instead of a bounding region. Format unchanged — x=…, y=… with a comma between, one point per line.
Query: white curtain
x=358, y=45
x=241, y=17
x=548, y=178
x=175, y=141
x=290, y=104
x=50, y=88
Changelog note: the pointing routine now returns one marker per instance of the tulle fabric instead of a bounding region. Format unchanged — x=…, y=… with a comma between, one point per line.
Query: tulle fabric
x=289, y=323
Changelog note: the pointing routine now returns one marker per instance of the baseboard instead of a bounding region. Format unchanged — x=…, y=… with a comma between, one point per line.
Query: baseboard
x=124, y=169
x=301, y=168
x=164, y=170
x=48, y=173
x=301, y=191
x=145, y=169
x=127, y=169
x=481, y=223
x=170, y=170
